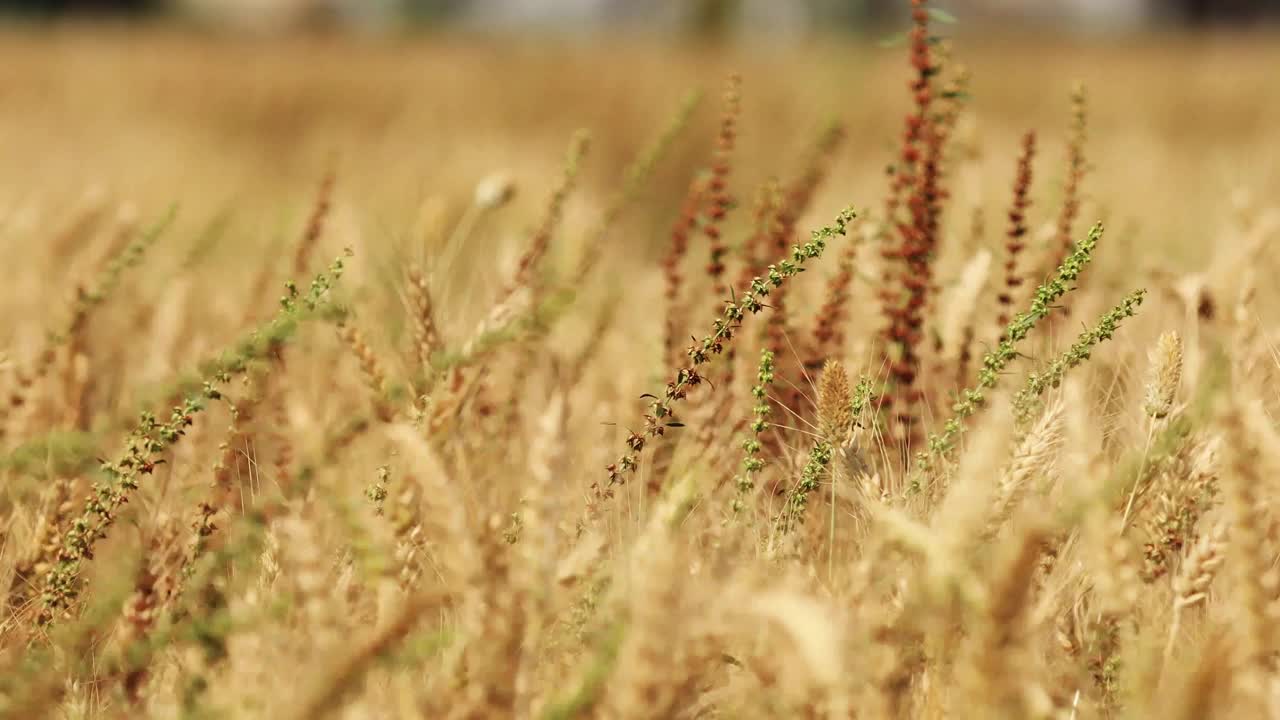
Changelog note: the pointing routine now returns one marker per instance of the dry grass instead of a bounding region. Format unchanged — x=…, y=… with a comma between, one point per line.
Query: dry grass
x=331, y=439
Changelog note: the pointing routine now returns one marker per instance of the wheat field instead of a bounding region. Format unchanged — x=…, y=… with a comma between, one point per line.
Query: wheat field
x=487, y=377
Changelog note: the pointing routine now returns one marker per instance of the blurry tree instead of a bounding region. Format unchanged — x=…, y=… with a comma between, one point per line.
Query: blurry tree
x=704, y=17
x=433, y=10
x=1202, y=11
x=53, y=7
x=714, y=17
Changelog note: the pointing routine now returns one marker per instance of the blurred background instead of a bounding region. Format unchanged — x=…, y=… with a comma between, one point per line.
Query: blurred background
x=237, y=108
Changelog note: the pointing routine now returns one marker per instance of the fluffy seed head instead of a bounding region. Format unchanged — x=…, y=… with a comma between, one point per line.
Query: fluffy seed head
x=495, y=191
x=1165, y=375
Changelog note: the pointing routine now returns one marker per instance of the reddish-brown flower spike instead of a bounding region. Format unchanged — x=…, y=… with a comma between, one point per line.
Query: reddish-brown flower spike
x=795, y=201
x=685, y=224
x=718, y=198
x=1015, y=242
x=1077, y=166
x=315, y=224
x=918, y=174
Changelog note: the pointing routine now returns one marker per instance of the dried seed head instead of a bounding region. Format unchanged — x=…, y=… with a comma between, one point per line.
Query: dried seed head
x=426, y=336
x=1254, y=595
x=1191, y=586
x=1164, y=375
x=834, y=402
x=1034, y=460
